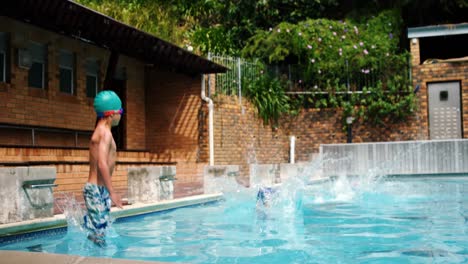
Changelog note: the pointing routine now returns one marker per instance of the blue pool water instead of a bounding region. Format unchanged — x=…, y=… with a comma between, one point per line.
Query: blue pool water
x=396, y=220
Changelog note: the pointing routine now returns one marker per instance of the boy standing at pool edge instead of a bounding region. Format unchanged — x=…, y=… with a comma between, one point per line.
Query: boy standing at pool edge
x=98, y=191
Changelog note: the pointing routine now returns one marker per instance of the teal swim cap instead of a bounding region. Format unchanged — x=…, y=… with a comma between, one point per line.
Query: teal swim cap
x=106, y=103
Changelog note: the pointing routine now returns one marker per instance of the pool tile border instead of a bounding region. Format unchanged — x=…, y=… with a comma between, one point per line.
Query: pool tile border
x=59, y=221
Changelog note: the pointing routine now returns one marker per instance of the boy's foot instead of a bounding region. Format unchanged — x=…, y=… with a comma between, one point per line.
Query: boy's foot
x=99, y=241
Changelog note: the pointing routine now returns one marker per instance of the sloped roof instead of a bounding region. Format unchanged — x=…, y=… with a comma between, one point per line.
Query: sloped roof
x=438, y=30
x=77, y=21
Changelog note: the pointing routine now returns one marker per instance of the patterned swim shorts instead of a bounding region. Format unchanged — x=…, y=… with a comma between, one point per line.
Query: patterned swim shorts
x=265, y=195
x=98, y=204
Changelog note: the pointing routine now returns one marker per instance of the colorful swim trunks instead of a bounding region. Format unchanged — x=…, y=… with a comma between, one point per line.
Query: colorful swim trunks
x=98, y=204
x=265, y=195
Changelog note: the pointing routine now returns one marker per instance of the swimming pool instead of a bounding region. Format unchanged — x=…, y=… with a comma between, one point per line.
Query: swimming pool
x=392, y=220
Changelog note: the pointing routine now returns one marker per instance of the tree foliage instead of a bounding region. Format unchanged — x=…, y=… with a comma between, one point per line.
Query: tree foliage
x=157, y=17
x=224, y=26
x=330, y=54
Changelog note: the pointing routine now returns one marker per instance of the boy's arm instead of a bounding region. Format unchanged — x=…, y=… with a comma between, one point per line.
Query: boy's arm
x=103, y=166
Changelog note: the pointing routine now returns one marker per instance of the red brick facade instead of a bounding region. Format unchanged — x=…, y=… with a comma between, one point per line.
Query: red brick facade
x=173, y=104
x=161, y=111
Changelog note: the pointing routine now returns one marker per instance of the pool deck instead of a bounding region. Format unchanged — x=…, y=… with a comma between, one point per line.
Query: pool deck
x=19, y=257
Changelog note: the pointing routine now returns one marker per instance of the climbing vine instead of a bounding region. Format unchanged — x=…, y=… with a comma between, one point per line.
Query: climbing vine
x=353, y=65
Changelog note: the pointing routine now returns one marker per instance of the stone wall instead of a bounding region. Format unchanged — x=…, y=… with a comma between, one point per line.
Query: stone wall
x=72, y=170
x=26, y=193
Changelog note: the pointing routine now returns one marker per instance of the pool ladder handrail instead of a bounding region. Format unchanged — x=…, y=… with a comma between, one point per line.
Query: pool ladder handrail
x=39, y=186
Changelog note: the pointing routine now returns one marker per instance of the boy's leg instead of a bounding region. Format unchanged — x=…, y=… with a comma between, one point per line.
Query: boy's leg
x=98, y=208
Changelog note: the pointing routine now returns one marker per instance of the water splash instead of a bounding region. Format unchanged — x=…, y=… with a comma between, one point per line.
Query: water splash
x=251, y=154
x=76, y=238
x=72, y=210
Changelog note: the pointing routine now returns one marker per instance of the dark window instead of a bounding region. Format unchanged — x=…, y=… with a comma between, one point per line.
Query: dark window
x=92, y=77
x=37, y=72
x=4, y=57
x=443, y=47
x=67, y=70
x=66, y=81
x=443, y=95
x=2, y=67
x=91, y=86
x=36, y=75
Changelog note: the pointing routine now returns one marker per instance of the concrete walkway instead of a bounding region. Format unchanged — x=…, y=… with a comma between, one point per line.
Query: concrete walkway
x=20, y=257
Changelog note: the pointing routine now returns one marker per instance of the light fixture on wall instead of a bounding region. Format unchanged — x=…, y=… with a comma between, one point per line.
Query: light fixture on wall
x=349, y=123
x=414, y=41
x=24, y=58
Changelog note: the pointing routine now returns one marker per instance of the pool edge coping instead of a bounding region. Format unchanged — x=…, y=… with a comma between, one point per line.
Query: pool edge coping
x=58, y=221
x=21, y=257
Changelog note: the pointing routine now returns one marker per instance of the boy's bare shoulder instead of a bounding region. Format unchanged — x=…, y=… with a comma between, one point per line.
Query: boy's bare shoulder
x=101, y=134
x=105, y=134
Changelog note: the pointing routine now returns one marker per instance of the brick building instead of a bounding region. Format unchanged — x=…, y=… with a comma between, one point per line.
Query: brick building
x=56, y=55
x=440, y=73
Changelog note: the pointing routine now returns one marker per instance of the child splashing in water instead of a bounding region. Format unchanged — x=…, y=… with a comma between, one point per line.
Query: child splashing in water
x=98, y=191
x=265, y=196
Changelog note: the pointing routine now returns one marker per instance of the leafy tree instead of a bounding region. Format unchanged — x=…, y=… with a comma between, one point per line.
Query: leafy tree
x=224, y=26
x=157, y=17
x=333, y=57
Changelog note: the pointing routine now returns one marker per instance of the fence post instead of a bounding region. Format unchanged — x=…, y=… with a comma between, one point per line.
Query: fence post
x=239, y=80
x=347, y=76
x=209, y=77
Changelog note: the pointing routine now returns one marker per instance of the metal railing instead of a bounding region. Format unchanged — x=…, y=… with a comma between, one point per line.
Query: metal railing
x=33, y=132
x=304, y=78
x=240, y=70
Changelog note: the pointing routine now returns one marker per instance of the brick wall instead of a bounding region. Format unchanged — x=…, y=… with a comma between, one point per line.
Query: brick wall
x=173, y=107
x=241, y=138
x=176, y=127
x=135, y=112
x=32, y=106
x=49, y=107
